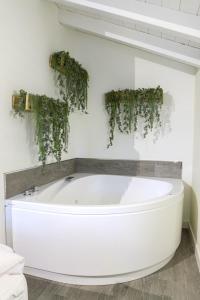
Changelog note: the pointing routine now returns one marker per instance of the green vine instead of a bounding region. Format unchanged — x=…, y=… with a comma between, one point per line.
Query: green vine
x=125, y=107
x=52, y=126
x=72, y=80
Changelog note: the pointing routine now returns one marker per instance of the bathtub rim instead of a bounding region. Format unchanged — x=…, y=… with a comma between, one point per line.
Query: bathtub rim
x=28, y=203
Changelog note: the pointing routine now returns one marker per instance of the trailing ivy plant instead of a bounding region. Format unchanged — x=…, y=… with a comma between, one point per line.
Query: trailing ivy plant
x=72, y=80
x=126, y=107
x=52, y=125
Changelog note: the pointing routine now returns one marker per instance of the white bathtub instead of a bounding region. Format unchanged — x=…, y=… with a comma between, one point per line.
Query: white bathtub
x=97, y=229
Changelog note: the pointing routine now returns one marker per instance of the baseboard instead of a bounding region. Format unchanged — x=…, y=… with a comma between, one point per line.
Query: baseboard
x=195, y=245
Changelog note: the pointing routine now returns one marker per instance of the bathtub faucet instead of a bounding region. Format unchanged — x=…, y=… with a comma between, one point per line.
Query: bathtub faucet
x=69, y=178
x=31, y=190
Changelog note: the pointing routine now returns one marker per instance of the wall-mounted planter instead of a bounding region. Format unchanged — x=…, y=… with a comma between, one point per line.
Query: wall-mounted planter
x=72, y=80
x=125, y=107
x=51, y=122
x=21, y=103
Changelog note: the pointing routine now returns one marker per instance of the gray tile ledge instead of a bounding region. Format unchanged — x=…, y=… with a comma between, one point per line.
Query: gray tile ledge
x=19, y=181
x=165, y=169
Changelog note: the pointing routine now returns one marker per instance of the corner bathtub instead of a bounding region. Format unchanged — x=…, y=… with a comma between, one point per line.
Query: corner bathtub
x=97, y=229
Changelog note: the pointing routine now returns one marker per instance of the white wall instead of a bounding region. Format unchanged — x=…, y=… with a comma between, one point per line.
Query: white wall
x=30, y=33
x=195, y=207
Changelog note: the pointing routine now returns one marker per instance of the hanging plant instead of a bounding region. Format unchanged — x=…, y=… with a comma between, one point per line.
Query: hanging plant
x=72, y=80
x=52, y=125
x=125, y=107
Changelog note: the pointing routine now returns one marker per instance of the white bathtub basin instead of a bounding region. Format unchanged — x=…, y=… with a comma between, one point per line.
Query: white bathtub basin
x=97, y=229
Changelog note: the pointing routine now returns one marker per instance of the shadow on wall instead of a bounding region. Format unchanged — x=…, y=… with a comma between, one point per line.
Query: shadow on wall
x=28, y=122
x=123, y=144
x=187, y=202
x=30, y=137
x=165, y=116
x=167, y=62
x=194, y=213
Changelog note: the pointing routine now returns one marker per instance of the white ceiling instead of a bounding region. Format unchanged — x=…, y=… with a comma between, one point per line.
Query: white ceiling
x=166, y=27
x=186, y=6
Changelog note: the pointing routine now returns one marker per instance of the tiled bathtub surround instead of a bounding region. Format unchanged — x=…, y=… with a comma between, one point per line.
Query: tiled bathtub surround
x=17, y=182
x=130, y=167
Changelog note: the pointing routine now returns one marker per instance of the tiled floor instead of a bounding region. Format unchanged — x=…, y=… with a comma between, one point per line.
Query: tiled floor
x=179, y=280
